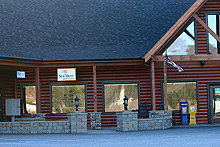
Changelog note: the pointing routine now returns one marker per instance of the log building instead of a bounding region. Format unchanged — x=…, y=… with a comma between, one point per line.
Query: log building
x=114, y=48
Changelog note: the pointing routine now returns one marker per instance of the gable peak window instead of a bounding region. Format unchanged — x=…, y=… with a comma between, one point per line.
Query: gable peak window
x=185, y=42
x=213, y=21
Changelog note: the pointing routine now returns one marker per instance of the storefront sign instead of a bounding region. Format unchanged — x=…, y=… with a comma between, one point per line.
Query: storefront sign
x=21, y=74
x=66, y=74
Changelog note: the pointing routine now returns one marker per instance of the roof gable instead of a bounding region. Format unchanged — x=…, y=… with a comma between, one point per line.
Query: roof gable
x=174, y=29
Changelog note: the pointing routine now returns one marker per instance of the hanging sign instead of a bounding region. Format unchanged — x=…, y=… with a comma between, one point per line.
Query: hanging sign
x=21, y=74
x=66, y=74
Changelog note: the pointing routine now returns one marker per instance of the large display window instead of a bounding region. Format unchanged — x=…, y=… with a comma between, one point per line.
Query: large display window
x=181, y=91
x=114, y=94
x=62, y=98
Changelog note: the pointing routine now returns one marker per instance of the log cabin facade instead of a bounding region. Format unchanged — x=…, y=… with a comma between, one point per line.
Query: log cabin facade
x=41, y=39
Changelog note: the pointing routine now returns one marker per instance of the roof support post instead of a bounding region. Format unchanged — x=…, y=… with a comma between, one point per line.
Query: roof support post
x=165, y=86
x=153, y=85
x=37, y=84
x=94, y=88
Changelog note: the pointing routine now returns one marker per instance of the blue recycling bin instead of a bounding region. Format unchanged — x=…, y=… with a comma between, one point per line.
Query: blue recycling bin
x=184, y=112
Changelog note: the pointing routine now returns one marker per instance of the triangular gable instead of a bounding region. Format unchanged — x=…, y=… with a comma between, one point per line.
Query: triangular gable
x=171, y=33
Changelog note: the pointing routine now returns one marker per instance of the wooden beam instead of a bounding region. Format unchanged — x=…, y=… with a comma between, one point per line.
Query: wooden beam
x=37, y=84
x=199, y=57
x=17, y=63
x=95, y=88
x=165, y=86
x=174, y=29
x=207, y=27
x=87, y=63
x=153, y=85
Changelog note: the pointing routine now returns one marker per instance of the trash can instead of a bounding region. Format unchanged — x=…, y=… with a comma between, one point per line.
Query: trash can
x=184, y=112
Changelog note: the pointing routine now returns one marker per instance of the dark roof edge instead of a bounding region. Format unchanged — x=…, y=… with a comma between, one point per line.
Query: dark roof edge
x=21, y=59
x=40, y=61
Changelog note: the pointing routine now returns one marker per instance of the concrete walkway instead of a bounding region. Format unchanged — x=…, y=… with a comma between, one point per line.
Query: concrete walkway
x=178, y=136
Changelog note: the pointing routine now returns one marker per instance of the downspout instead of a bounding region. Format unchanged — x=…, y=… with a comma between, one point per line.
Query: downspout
x=143, y=62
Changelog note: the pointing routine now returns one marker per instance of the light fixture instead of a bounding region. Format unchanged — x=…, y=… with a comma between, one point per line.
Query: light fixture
x=202, y=62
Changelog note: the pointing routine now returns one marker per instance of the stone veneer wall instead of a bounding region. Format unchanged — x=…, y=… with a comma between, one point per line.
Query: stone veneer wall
x=157, y=120
x=128, y=121
x=32, y=117
x=76, y=123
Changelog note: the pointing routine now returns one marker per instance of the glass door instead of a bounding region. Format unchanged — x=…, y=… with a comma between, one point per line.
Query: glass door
x=216, y=103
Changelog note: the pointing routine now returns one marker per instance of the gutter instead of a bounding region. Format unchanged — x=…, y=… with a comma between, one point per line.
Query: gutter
x=147, y=65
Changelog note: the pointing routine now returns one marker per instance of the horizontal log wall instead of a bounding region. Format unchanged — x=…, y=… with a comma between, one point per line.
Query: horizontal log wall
x=7, y=79
x=193, y=70
x=209, y=73
x=49, y=76
x=210, y=6
x=122, y=74
x=85, y=76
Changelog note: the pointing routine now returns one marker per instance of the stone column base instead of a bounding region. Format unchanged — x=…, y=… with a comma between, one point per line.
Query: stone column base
x=95, y=120
x=78, y=122
x=127, y=121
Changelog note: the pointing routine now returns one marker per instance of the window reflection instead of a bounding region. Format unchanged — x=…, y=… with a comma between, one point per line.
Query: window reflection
x=63, y=98
x=115, y=93
x=213, y=23
x=29, y=102
x=184, y=43
x=181, y=92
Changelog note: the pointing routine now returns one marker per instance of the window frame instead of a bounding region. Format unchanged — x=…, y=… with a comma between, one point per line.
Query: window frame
x=103, y=94
x=23, y=99
x=207, y=33
x=180, y=32
x=65, y=84
x=181, y=81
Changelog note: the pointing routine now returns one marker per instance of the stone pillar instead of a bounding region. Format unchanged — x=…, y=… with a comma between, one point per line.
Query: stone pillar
x=95, y=120
x=78, y=122
x=127, y=121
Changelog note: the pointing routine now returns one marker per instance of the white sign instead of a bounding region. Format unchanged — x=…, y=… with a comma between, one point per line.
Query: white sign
x=66, y=74
x=21, y=74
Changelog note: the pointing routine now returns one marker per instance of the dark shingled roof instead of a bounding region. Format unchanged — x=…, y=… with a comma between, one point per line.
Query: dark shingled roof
x=51, y=30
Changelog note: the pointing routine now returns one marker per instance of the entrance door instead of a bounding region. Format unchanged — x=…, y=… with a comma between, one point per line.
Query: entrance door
x=1, y=105
x=214, y=104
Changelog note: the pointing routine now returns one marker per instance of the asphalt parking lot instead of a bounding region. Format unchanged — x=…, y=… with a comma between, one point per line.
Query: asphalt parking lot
x=198, y=136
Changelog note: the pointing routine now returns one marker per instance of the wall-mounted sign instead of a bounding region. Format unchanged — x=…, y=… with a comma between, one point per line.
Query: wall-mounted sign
x=21, y=74
x=66, y=74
